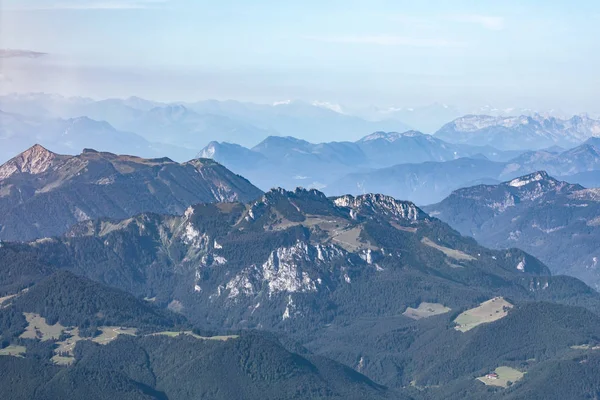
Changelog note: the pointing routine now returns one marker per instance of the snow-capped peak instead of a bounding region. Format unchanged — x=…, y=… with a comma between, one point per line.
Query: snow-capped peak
x=390, y=136
x=329, y=106
x=282, y=103
x=209, y=151
x=527, y=179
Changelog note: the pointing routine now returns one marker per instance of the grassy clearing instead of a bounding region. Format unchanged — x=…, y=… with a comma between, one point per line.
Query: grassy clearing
x=63, y=354
x=67, y=345
x=6, y=299
x=107, y=227
x=505, y=375
x=63, y=360
x=38, y=328
x=110, y=333
x=455, y=254
x=403, y=228
x=349, y=239
x=453, y=265
x=192, y=334
x=15, y=351
x=426, y=310
x=488, y=311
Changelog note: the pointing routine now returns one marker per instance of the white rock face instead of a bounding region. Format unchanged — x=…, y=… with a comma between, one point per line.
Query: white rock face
x=538, y=284
x=192, y=237
x=380, y=204
x=34, y=160
x=284, y=271
x=240, y=284
x=521, y=265
x=518, y=182
x=592, y=194
x=289, y=309
x=219, y=260
x=80, y=215
x=501, y=206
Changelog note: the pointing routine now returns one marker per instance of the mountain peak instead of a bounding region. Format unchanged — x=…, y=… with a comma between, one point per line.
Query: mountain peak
x=379, y=204
x=35, y=160
x=298, y=193
x=390, y=136
x=533, y=177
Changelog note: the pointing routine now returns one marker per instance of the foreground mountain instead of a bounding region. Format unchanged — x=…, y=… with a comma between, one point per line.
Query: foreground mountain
x=43, y=193
x=518, y=133
x=554, y=220
x=290, y=162
x=369, y=281
x=69, y=136
x=68, y=337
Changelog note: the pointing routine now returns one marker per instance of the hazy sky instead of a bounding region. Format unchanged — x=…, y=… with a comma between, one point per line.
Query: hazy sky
x=527, y=53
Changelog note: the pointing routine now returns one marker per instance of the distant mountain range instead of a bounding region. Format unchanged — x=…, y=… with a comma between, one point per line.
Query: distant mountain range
x=430, y=182
x=290, y=162
x=70, y=136
x=43, y=193
x=519, y=132
x=408, y=165
x=194, y=125
x=554, y=220
x=423, y=183
x=583, y=158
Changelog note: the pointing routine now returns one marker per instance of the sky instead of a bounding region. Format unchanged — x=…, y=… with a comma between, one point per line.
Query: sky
x=531, y=53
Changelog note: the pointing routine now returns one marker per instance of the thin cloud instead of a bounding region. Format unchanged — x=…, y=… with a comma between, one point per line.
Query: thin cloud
x=388, y=40
x=490, y=22
x=97, y=5
x=15, y=53
x=485, y=21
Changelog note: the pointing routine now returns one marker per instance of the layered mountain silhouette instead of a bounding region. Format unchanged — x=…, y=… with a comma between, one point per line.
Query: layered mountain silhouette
x=43, y=193
x=554, y=220
x=290, y=162
x=520, y=132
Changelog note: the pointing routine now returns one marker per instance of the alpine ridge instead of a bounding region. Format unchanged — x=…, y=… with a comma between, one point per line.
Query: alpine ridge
x=520, y=132
x=43, y=193
x=316, y=269
x=536, y=212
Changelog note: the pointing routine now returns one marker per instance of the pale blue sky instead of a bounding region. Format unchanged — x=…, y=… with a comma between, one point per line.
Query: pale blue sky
x=528, y=53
